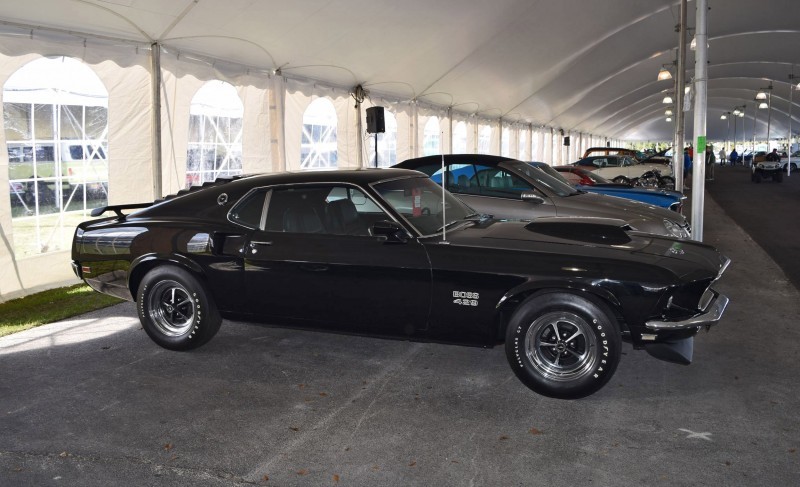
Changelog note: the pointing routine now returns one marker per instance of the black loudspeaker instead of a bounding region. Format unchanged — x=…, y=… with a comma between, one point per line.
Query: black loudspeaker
x=566, y=140
x=375, y=120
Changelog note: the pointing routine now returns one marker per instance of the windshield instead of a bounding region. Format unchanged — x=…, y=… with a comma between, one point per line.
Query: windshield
x=419, y=201
x=557, y=184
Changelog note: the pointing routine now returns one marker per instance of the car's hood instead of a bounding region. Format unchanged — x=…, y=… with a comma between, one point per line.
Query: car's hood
x=626, y=191
x=597, y=240
x=637, y=213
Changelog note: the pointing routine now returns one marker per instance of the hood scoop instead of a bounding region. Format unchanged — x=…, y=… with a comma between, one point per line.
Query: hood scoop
x=599, y=231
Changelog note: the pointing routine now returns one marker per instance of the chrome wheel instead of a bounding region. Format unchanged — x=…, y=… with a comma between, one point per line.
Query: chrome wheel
x=171, y=308
x=561, y=346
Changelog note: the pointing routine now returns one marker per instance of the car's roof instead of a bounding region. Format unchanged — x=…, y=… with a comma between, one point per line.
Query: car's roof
x=356, y=176
x=484, y=159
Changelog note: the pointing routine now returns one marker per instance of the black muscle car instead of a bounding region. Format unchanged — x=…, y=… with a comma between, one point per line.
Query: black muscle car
x=387, y=252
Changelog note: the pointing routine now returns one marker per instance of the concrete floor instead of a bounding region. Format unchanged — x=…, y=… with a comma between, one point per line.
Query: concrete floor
x=92, y=401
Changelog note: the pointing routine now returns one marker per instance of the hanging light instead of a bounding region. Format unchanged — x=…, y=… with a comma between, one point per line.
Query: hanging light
x=763, y=104
x=723, y=117
x=669, y=119
x=664, y=74
x=667, y=99
x=668, y=112
x=762, y=95
x=741, y=114
x=736, y=111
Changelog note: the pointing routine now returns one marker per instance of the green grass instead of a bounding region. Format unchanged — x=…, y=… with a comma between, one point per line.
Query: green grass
x=49, y=306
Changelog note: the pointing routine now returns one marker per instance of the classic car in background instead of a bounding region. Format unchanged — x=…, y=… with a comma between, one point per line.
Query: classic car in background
x=610, y=151
x=594, y=183
x=387, y=252
x=511, y=189
x=785, y=161
x=39, y=171
x=627, y=170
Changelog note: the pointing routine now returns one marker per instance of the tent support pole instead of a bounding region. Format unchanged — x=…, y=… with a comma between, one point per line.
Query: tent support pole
x=155, y=68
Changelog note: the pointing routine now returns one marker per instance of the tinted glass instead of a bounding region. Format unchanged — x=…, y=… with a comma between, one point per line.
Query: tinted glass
x=419, y=201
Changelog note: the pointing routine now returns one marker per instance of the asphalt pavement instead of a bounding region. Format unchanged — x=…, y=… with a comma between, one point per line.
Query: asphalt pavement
x=92, y=401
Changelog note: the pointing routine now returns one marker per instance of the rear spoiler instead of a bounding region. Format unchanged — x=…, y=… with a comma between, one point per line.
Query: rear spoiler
x=118, y=209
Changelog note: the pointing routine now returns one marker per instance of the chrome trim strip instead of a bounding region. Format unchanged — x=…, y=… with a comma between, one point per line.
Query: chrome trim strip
x=709, y=317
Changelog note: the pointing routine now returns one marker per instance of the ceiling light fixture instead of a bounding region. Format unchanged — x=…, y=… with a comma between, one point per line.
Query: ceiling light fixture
x=668, y=112
x=669, y=119
x=664, y=74
x=762, y=95
x=724, y=116
x=667, y=99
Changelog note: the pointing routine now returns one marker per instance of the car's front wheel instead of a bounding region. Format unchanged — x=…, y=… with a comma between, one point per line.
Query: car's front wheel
x=563, y=345
x=176, y=310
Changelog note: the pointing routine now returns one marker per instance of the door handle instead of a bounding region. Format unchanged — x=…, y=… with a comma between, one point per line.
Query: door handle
x=254, y=246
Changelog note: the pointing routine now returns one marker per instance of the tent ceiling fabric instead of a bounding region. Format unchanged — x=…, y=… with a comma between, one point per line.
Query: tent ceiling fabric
x=580, y=66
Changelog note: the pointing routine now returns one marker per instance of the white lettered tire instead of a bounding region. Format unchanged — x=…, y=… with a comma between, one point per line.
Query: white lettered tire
x=563, y=345
x=176, y=310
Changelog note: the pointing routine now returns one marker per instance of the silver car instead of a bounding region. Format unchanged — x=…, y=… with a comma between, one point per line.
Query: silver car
x=511, y=189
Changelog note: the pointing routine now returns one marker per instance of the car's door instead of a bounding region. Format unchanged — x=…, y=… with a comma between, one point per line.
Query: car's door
x=493, y=190
x=311, y=257
x=500, y=194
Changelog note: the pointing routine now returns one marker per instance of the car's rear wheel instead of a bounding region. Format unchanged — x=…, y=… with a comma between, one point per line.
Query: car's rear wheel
x=176, y=310
x=563, y=345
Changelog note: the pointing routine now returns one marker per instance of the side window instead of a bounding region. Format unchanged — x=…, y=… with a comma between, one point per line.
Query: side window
x=250, y=211
x=494, y=181
x=323, y=209
x=460, y=178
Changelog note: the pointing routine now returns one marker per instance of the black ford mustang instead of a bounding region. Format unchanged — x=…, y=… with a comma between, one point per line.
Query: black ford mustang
x=387, y=252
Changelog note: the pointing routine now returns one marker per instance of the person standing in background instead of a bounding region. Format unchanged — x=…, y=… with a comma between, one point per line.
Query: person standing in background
x=722, y=157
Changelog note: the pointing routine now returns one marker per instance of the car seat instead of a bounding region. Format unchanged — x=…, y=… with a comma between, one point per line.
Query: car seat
x=302, y=218
x=342, y=218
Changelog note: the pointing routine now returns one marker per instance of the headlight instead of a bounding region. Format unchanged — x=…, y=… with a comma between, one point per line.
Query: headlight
x=676, y=230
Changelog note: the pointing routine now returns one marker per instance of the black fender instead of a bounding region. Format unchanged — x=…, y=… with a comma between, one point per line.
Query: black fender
x=144, y=263
x=512, y=298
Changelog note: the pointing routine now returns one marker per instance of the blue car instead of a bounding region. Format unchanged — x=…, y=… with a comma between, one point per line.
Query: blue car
x=588, y=181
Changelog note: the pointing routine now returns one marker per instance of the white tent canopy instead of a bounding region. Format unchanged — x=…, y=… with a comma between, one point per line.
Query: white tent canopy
x=580, y=66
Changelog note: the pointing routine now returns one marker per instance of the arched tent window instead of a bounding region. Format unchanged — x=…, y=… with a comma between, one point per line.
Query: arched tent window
x=387, y=143
x=505, y=149
x=55, y=115
x=484, y=139
x=460, y=138
x=431, y=138
x=318, y=147
x=215, y=134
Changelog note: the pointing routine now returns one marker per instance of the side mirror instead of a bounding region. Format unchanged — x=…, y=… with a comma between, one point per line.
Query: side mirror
x=531, y=197
x=391, y=231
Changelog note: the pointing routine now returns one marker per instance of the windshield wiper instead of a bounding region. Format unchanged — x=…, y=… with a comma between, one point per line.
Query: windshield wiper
x=471, y=218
